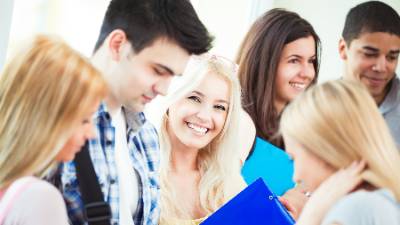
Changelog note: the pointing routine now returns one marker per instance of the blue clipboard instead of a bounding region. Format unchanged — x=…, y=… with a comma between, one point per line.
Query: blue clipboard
x=255, y=205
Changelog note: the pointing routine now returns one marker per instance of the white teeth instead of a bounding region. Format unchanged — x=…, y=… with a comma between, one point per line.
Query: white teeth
x=198, y=129
x=300, y=86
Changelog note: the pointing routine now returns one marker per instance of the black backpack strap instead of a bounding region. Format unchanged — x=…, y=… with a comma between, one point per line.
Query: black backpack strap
x=96, y=210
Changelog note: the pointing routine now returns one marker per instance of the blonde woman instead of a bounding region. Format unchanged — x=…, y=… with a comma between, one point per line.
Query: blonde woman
x=48, y=93
x=200, y=165
x=343, y=151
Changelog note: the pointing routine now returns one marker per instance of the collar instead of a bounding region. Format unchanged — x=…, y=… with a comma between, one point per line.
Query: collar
x=392, y=98
x=134, y=120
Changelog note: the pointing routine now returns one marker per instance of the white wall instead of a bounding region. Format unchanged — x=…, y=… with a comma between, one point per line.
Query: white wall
x=327, y=18
x=6, y=9
x=76, y=21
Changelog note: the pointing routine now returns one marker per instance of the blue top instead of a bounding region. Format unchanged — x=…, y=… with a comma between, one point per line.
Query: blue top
x=270, y=163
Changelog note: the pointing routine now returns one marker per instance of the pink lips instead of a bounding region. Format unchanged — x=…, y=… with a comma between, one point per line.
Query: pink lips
x=147, y=99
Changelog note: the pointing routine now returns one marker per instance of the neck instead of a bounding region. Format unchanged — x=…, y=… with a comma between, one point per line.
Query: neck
x=183, y=159
x=112, y=104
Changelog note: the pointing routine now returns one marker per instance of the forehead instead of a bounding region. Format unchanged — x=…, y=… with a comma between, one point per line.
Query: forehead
x=382, y=41
x=301, y=46
x=165, y=53
x=214, y=86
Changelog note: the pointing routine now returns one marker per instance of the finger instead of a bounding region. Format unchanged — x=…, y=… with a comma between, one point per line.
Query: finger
x=356, y=167
x=288, y=206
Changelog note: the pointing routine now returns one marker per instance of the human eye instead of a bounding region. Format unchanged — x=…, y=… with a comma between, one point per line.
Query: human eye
x=392, y=57
x=220, y=107
x=370, y=54
x=85, y=121
x=293, y=60
x=160, y=71
x=194, y=98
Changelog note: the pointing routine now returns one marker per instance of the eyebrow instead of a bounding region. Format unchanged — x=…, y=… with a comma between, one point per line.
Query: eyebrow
x=202, y=95
x=165, y=68
x=299, y=56
x=369, y=48
x=392, y=52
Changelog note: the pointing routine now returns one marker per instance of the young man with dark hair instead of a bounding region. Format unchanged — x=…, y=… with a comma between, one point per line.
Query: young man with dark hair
x=142, y=45
x=370, y=47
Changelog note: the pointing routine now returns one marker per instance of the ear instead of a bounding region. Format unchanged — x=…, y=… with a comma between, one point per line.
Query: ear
x=116, y=44
x=342, y=49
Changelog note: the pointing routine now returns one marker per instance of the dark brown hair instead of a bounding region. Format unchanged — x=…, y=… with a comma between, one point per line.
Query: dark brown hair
x=258, y=60
x=144, y=21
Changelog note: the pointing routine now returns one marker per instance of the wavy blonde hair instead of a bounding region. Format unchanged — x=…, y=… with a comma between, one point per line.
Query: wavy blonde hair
x=44, y=91
x=339, y=122
x=218, y=162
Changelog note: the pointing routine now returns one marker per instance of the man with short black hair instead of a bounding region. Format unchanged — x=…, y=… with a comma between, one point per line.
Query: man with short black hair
x=370, y=47
x=142, y=45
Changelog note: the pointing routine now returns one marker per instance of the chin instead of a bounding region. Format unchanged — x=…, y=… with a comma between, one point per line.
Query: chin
x=136, y=107
x=192, y=145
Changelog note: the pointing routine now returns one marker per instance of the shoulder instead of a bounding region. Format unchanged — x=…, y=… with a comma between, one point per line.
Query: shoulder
x=361, y=206
x=49, y=207
x=40, y=191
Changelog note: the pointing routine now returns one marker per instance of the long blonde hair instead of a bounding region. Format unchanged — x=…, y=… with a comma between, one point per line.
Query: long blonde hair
x=218, y=162
x=44, y=90
x=339, y=122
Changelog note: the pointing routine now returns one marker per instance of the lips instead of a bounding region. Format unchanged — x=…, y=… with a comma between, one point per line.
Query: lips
x=373, y=81
x=300, y=86
x=147, y=99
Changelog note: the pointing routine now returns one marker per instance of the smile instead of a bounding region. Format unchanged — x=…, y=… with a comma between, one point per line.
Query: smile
x=198, y=129
x=298, y=86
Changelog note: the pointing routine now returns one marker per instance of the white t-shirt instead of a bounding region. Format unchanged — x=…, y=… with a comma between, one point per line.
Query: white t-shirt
x=128, y=183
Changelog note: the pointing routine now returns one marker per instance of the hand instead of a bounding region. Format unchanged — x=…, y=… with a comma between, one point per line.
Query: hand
x=330, y=191
x=294, y=200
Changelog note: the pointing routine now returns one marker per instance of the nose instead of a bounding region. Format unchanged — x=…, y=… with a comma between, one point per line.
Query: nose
x=380, y=64
x=204, y=113
x=161, y=87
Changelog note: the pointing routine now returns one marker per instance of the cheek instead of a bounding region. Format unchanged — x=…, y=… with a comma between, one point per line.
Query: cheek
x=176, y=116
x=392, y=67
x=219, y=121
x=65, y=152
x=284, y=75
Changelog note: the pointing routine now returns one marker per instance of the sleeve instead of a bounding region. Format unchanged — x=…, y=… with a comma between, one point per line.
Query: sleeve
x=40, y=204
x=148, y=137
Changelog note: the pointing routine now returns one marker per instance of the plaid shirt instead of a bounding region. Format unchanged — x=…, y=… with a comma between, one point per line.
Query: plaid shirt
x=144, y=151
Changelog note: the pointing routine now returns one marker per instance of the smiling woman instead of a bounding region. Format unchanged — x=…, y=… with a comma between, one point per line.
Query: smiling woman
x=200, y=164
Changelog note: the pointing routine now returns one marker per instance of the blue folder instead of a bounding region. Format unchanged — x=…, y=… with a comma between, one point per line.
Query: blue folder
x=255, y=205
